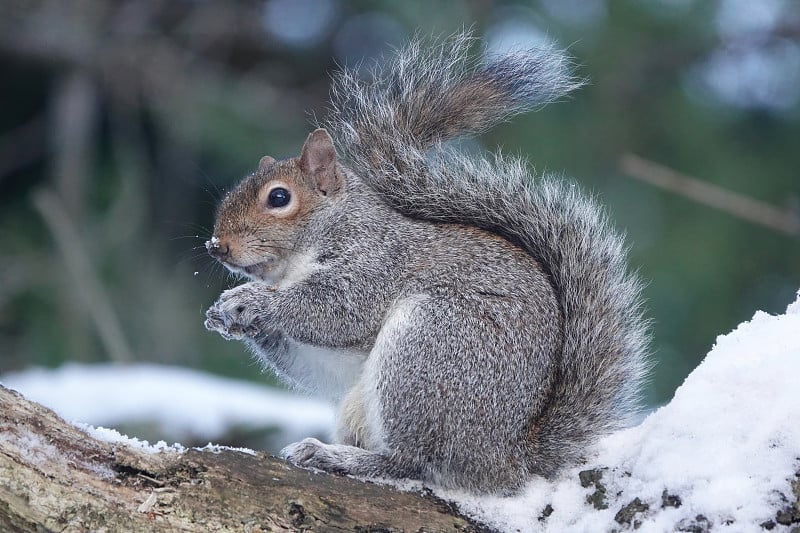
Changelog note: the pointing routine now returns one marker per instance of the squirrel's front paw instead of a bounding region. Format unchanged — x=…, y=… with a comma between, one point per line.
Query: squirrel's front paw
x=239, y=312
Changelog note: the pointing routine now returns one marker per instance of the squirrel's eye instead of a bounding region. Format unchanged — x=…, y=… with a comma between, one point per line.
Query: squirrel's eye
x=278, y=197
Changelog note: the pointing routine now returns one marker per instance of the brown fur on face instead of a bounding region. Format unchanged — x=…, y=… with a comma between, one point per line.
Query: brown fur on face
x=258, y=240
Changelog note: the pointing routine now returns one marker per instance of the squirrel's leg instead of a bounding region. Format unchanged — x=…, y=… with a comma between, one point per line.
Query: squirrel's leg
x=361, y=449
x=351, y=427
x=357, y=434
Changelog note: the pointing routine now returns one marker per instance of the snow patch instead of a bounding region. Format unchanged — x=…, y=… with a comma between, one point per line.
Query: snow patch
x=113, y=436
x=216, y=448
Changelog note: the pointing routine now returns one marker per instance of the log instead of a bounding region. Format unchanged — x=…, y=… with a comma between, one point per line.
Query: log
x=55, y=476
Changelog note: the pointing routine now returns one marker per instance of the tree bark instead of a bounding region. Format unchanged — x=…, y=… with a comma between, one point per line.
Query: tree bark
x=56, y=477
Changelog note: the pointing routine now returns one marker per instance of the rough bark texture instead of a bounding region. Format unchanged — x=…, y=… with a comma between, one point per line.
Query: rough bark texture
x=55, y=477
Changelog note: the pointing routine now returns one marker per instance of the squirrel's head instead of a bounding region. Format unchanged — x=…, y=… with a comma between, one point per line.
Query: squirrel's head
x=260, y=223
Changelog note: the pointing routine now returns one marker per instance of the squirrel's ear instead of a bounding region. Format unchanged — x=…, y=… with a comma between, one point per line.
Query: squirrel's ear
x=318, y=159
x=265, y=163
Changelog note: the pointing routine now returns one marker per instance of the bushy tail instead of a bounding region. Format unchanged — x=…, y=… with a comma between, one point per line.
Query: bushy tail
x=386, y=128
x=429, y=94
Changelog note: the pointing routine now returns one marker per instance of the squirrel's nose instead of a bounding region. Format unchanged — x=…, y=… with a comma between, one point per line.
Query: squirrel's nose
x=217, y=249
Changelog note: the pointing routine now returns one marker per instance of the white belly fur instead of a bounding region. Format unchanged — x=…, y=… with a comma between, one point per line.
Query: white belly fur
x=324, y=372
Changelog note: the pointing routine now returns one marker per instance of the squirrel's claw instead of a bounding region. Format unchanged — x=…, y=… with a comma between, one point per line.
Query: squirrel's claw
x=215, y=321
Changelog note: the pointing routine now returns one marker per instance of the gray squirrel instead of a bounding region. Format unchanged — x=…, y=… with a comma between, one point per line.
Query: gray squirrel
x=475, y=326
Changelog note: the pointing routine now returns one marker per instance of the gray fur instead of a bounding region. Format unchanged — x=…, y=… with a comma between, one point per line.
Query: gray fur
x=498, y=331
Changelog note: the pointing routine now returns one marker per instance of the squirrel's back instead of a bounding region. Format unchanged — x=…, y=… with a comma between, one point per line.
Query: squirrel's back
x=391, y=129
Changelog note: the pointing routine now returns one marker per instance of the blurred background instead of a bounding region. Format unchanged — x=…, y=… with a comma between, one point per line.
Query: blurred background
x=124, y=122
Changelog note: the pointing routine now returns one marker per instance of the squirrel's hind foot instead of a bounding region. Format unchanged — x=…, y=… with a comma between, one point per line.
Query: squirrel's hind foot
x=339, y=459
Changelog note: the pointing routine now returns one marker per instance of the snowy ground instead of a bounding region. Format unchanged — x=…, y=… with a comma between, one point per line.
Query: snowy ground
x=720, y=456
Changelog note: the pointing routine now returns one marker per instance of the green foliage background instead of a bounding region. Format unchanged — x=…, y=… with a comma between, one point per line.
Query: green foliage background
x=138, y=115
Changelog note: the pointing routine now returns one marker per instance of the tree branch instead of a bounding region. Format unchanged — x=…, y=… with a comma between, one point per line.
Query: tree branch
x=55, y=477
x=736, y=204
